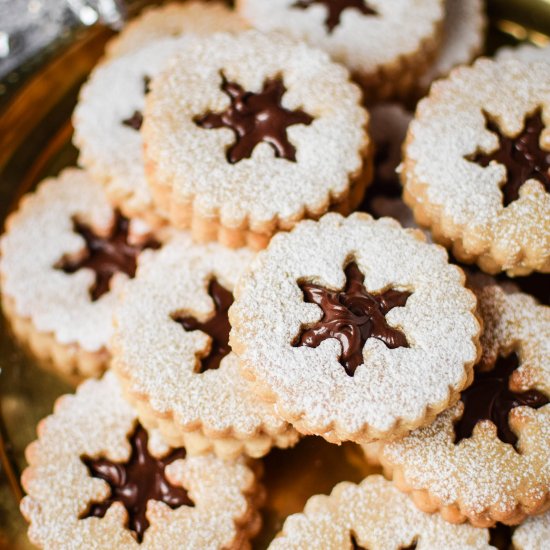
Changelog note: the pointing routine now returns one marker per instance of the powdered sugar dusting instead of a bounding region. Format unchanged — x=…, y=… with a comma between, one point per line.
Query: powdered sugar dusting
x=483, y=475
x=525, y=52
x=534, y=534
x=378, y=517
x=159, y=357
x=174, y=19
x=362, y=43
x=311, y=388
x=39, y=236
x=463, y=38
x=191, y=161
x=96, y=422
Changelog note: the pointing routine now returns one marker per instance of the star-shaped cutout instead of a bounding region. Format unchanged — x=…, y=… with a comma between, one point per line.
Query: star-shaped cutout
x=490, y=398
x=352, y=316
x=135, y=482
x=521, y=155
x=217, y=327
x=255, y=118
x=106, y=256
x=335, y=9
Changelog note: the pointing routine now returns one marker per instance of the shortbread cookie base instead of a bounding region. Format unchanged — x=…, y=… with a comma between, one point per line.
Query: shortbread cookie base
x=71, y=361
x=201, y=441
x=208, y=229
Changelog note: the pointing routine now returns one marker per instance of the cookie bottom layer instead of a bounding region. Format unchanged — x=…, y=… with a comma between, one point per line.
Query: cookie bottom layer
x=70, y=361
x=455, y=513
x=198, y=441
x=207, y=229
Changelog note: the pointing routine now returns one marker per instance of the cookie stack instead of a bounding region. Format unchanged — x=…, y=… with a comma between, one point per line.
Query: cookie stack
x=217, y=267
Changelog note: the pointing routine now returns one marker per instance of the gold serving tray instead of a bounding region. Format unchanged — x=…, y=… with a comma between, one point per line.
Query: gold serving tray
x=35, y=142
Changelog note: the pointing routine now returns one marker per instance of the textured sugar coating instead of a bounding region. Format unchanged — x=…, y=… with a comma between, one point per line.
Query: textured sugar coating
x=463, y=38
x=110, y=149
x=173, y=20
x=525, y=52
x=157, y=357
x=96, y=422
x=533, y=534
x=378, y=517
x=39, y=235
x=394, y=41
x=395, y=389
x=482, y=478
x=460, y=199
x=190, y=161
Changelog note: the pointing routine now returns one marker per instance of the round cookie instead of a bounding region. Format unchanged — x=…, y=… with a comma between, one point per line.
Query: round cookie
x=107, y=121
x=527, y=53
x=373, y=515
x=263, y=132
x=533, y=534
x=463, y=39
x=98, y=479
x=64, y=257
x=477, y=165
x=171, y=350
x=173, y=19
x=487, y=458
x=386, y=44
x=355, y=329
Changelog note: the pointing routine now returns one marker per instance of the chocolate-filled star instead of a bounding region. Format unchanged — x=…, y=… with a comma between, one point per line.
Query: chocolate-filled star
x=255, y=118
x=490, y=398
x=217, y=326
x=335, y=9
x=135, y=482
x=106, y=256
x=522, y=156
x=352, y=316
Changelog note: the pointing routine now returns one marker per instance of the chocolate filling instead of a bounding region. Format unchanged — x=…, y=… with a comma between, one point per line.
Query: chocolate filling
x=255, y=118
x=106, y=256
x=352, y=316
x=217, y=327
x=335, y=9
x=521, y=155
x=490, y=398
x=135, y=482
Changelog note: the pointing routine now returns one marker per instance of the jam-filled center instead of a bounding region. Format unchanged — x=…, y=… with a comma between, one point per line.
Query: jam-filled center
x=255, y=118
x=335, y=8
x=352, y=316
x=135, y=482
x=522, y=156
x=217, y=326
x=106, y=256
x=490, y=398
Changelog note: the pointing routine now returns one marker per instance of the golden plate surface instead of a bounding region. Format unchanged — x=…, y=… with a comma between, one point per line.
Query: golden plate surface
x=35, y=142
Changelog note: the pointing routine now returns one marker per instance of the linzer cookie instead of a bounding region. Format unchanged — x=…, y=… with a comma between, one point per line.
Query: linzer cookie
x=463, y=39
x=246, y=135
x=171, y=20
x=355, y=329
x=64, y=257
x=373, y=515
x=487, y=459
x=533, y=534
x=98, y=479
x=477, y=165
x=107, y=123
x=386, y=44
x=171, y=350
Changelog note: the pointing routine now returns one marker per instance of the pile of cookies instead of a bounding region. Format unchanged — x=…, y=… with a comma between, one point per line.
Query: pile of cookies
x=236, y=264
